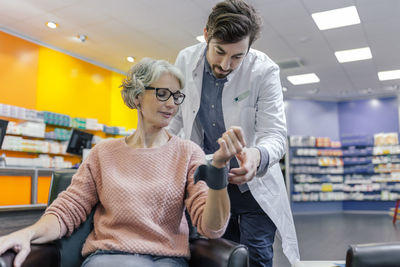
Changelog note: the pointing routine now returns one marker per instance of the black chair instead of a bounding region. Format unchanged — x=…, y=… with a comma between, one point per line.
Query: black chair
x=373, y=255
x=66, y=252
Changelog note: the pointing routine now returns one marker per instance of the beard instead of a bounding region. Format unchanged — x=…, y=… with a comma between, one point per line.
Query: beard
x=220, y=75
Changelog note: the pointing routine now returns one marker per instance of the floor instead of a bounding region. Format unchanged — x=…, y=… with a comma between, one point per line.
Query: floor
x=327, y=236
x=11, y=221
x=321, y=237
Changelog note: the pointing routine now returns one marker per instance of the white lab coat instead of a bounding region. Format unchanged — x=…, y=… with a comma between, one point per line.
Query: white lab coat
x=251, y=98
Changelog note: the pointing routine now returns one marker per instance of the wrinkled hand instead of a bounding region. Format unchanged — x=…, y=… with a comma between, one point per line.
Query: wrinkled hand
x=249, y=159
x=19, y=242
x=230, y=144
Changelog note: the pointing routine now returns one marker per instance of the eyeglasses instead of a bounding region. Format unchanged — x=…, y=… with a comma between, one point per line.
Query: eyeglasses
x=163, y=94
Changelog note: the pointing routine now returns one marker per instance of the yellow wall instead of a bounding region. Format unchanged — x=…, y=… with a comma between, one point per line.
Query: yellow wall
x=71, y=86
x=18, y=71
x=36, y=77
x=40, y=78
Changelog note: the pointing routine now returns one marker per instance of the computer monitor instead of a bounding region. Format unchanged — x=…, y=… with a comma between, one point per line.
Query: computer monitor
x=78, y=141
x=3, y=129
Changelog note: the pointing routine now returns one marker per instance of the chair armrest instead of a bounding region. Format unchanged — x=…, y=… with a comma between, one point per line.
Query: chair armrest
x=46, y=255
x=217, y=252
x=370, y=255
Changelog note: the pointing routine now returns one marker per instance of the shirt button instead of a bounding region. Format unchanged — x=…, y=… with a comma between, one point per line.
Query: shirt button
x=216, y=84
x=213, y=124
x=212, y=106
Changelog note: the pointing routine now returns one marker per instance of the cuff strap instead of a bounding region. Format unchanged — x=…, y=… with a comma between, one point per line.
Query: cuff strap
x=215, y=178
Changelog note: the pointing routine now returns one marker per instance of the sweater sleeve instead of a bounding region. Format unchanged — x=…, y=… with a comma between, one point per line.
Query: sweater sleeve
x=196, y=196
x=73, y=205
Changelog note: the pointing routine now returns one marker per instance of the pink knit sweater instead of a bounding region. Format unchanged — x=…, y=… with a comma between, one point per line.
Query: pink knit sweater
x=140, y=195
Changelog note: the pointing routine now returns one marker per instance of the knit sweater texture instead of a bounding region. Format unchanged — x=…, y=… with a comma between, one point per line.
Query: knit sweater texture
x=141, y=194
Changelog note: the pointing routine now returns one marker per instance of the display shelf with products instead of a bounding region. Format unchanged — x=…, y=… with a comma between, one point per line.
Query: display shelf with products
x=38, y=138
x=35, y=144
x=364, y=168
x=316, y=169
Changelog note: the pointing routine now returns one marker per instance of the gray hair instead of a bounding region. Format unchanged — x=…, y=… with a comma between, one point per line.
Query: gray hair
x=144, y=73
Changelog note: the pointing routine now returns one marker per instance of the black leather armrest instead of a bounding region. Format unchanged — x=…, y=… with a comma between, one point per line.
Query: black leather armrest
x=372, y=255
x=217, y=252
x=46, y=255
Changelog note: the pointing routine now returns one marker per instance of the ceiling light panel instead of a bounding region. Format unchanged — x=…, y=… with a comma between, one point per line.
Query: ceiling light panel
x=389, y=75
x=353, y=54
x=303, y=79
x=336, y=18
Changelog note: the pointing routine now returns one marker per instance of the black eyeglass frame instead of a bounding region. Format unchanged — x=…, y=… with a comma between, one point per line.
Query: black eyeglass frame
x=180, y=94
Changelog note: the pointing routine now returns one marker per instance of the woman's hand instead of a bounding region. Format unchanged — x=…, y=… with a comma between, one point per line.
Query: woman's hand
x=20, y=242
x=230, y=143
x=45, y=230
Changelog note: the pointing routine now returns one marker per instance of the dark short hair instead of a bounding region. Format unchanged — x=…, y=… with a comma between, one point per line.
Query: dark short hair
x=233, y=20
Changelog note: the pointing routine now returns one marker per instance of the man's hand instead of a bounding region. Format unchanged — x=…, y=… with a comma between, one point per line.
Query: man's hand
x=249, y=160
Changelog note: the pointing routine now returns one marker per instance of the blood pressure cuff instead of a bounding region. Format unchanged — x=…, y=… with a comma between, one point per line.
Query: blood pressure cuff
x=215, y=178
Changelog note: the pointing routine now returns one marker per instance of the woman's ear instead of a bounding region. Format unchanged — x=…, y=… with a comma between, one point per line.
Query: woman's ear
x=138, y=100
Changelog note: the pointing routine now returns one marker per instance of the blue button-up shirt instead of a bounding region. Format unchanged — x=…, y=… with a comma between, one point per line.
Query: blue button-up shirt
x=211, y=118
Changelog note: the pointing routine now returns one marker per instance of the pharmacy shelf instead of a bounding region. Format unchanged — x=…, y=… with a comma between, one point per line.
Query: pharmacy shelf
x=38, y=138
x=360, y=165
x=38, y=152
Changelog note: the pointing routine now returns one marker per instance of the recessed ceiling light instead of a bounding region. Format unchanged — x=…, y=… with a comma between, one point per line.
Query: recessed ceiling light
x=51, y=24
x=366, y=91
x=201, y=39
x=389, y=75
x=313, y=91
x=130, y=59
x=336, y=18
x=303, y=79
x=391, y=87
x=353, y=54
x=81, y=37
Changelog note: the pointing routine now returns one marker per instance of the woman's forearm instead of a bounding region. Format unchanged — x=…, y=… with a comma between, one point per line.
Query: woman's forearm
x=45, y=230
x=216, y=211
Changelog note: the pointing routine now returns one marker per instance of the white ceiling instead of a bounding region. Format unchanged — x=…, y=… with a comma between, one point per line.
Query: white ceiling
x=160, y=28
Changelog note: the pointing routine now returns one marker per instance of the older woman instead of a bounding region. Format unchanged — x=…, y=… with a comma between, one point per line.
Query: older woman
x=141, y=184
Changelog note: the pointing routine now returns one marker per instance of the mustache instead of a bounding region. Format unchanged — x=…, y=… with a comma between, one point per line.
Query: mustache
x=221, y=69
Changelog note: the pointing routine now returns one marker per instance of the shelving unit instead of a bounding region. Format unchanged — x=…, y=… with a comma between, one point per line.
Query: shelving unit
x=351, y=173
x=34, y=147
x=50, y=137
x=317, y=174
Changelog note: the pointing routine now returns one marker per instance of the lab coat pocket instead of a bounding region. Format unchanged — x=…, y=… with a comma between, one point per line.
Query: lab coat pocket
x=248, y=124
